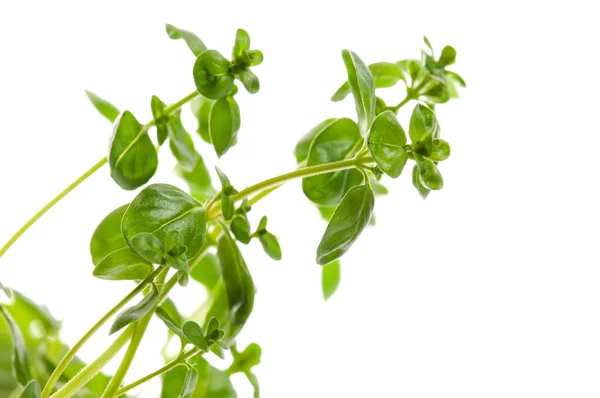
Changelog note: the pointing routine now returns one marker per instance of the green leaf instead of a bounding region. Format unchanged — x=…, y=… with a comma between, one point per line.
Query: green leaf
x=123, y=264
x=132, y=157
x=363, y=88
x=448, y=57
x=192, y=41
x=242, y=44
x=212, y=382
x=428, y=44
x=240, y=227
x=20, y=359
x=249, y=80
x=211, y=75
x=429, y=173
x=207, y=271
x=190, y=164
x=218, y=351
x=227, y=203
x=416, y=181
x=244, y=361
x=303, y=145
x=189, y=385
x=256, y=57
x=254, y=382
x=238, y=284
x=350, y=218
x=270, y=245
x=107, y=236
x=105, y=108
x=31, y=390
x=330, y=278
x=195, y=335
x=385, y=74
x=171, y=323
x=386, y=144
x=183, y=277
x=224, y=124
x=137, y=311
x=338, y=140
x=160, y=119
x=201, y=108
x=456, y=78
x=148, y=247
x=422, y=123
x=160, y=208
x=440, y=151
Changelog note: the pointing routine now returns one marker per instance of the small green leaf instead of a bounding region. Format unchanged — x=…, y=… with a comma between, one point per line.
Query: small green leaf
x=242, y=44
x=238, y=284
x=207, y=271
x=123, y=264
x=262, y=224
x=330, y=278
x=416, y=181
x=195, y=335
x=160, y=208
x=137, y=311
x=240, y=227
x=363, y=88
x=212, y=326
x=422, y=123
x=429, y=173
x=193, y=42
x=218, y=351
x=256, y=57
x=108, y=237
x=385, y=74
x=303, y=145
x=244, y=361
x=224, y=124
x=132, y=157
x=183, y=277
x=270, y=245
x=171, y=323
x=173, y=240
x=448, y=57
x=249, y=80
x=160, y=119
x=189, y=385
x=105, y=108
x=20, y=360
x=148, y=247
x=178, y=262
x=350, y=218
x=31, y=390
x=386, y=143
x=211, y=75
x=201, y=107
x=440, y=151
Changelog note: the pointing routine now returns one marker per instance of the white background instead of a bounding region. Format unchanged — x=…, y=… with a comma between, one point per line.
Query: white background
x=489, y=288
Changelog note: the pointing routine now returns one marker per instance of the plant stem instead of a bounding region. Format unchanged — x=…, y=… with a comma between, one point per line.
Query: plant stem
x=91, y=370
x=213, y=212
x=402, y=103
x=84, y=176
x=173, y=364
x=51, y=204
x=64, y=362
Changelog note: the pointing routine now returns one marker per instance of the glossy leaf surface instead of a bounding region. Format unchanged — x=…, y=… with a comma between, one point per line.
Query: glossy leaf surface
x=137, y=311
x=362, y=87
x=224, y=124
x=386, y=143
x=193, y=42
x=122, y=265
x=211, y=75
x=107, y=236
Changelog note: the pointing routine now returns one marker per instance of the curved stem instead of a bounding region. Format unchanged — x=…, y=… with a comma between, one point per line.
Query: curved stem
x=50, y=205
x=64, y=362
x=173, y=364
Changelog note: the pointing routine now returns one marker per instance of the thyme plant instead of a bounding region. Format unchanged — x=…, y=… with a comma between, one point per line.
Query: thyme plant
x=167, y=237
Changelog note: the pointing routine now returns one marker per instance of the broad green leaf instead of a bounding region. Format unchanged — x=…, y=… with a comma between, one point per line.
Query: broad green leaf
x=240, y=227
x=238, y=284
x=211, y=75
x=385, y=74
x=330, y=278
x=20, y=359
x=132, y=157
x=207, y=271
x=201, y=107
x=224, y=124
x=105, y=108
x=190, y=165
x=440, y=151
x=192, y=41
x=32, y=390
x=350, y=218
x=270, y=245
x=149, y=247
x=189, y=385
x=195, y=335
x=108, y=237
x=242, y=44
x=363, y=88
x=336, y=141
x=303, y=145
x=137, y=311
x=429, y=173
x=123, y=264
x=249, y=80
x=386, y=143
x=256, y=57
x=422, y=123
x=160, y=119
x=447, y=57
x=160, y=208
x=171, y=323
x=416, y=181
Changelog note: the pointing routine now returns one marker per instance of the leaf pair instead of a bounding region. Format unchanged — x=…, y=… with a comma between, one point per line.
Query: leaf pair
x=243, y=59
x=268, y=241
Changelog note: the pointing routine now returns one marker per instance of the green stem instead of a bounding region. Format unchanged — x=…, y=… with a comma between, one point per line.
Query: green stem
x=64, y=362
x=402, y=103
x=51, y=204
x=173, y=364
x=83, y=177
x=91, y=370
